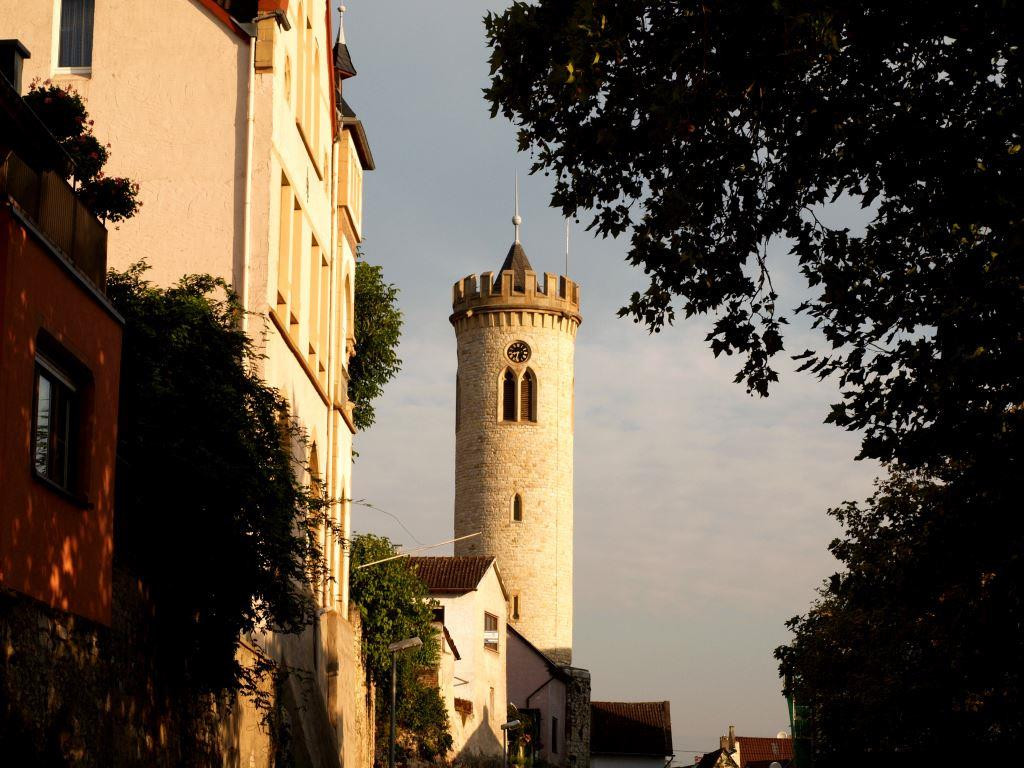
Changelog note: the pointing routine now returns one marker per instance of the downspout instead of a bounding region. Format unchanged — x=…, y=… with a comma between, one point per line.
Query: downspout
x=334, y=358
x=250, y=125
x=250, y=138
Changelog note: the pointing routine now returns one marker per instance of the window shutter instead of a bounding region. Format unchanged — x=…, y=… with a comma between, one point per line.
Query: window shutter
x=526, y=397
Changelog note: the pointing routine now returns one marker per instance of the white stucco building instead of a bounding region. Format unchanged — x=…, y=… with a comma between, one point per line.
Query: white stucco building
x=473, y=611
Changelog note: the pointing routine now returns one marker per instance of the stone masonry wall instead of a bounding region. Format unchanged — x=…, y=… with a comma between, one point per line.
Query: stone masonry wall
x=494, y=460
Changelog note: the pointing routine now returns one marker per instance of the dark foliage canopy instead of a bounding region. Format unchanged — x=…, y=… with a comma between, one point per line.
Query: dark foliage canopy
x=394, y=604
x=378, y=327
x=704, y=132
x=211, y=514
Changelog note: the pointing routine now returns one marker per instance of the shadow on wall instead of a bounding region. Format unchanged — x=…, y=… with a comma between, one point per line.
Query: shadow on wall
x=482, y=748
x=73, y=692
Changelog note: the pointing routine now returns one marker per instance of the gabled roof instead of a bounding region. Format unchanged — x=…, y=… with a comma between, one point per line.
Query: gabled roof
x=517, y=262
x=556, y=671
x=764, y=750
x=452, y=575
x=630, y=728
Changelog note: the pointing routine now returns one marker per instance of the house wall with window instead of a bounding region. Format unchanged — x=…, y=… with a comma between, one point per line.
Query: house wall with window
x=537, y=685
x=474, y=607
x=264, y=191
x=60, y=357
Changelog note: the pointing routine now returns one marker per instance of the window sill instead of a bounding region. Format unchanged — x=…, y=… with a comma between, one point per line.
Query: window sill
x=78, y=499
x=82, y=72
x=491, y=648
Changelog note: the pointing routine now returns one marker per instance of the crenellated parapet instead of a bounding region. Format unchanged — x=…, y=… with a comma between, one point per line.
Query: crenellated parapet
x=557, y=296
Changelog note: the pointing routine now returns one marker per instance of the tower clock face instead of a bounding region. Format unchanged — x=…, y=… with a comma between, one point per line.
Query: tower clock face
x=518, y=352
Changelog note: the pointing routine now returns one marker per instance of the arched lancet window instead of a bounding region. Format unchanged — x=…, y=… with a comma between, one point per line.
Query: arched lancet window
x=517, y=508
x=528, y=397
x=508, y=397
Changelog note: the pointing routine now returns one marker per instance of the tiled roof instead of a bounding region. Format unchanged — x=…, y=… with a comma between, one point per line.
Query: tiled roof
x=760, y=750
x=516, y=261
x=630, y=728
x=451, y=575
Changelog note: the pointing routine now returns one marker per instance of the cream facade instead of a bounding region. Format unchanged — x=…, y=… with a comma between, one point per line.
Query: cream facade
x=229, y=115
x=514, y=440
x=472, y=611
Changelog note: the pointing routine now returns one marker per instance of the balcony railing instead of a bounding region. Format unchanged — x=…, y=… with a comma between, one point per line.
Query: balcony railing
x=63, y=219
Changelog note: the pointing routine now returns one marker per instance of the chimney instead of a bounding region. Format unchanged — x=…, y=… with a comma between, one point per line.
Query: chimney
x=732, y=738
x=12, y=54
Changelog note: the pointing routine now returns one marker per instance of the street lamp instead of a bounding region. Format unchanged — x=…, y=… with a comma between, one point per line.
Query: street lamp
x=511, y=725
x=396, y=648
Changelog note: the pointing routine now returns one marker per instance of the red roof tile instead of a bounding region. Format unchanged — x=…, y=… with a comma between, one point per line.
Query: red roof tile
x=630, y=728
x=760, y=750
x=451, y=575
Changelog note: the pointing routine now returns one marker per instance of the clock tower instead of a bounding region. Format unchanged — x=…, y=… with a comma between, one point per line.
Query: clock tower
x=516, y=337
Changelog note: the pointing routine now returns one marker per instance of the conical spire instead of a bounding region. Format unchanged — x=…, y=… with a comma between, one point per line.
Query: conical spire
x=516, y=259
x=517, y=262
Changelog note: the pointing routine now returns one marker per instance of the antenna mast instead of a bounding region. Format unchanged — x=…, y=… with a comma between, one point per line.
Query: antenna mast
x=517, y=219
x=566, y=247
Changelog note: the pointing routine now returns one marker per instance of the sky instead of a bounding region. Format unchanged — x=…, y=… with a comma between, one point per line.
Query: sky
x=700, y=523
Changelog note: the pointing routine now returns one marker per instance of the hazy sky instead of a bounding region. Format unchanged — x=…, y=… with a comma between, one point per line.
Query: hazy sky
x=699, y=511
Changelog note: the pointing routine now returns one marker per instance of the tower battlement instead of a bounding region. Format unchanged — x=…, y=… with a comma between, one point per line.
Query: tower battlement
x=557, y=295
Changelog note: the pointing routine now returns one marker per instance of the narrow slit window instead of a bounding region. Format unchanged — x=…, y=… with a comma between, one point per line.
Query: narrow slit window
x=508, y=397
x=76, y=18
x=528, y=397
x=517, y=508
x=515, y=607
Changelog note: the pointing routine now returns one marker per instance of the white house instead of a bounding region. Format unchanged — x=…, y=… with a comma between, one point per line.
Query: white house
x=473, y=611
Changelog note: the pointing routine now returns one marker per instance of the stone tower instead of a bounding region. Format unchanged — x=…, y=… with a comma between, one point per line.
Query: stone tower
x=514, y=439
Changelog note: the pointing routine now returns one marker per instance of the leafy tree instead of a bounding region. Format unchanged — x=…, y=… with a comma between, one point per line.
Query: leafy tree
x=394, y=605
x=378, y=327
x=909, y=647
x=707, y=131
x=210, y=512
x=63, y=113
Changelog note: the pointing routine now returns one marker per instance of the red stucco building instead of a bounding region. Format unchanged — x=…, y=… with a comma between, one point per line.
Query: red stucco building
x=60, y=354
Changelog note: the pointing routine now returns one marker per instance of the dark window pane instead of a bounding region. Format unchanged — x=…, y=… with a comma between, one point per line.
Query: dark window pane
x=42, y=425
x=76, y=33
x=509, y=397
x=54, y=427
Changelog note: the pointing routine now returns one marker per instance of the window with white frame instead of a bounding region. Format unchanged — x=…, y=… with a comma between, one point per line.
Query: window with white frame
x=491, y=632
x=74, y=49
x=54, y=425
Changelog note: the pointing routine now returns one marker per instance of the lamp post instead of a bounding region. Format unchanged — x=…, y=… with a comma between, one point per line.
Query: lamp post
x=396, y=648
x=511, y=725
